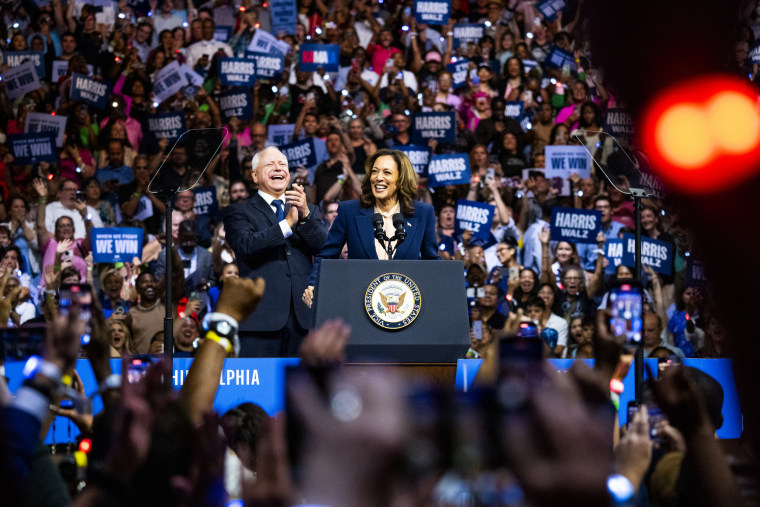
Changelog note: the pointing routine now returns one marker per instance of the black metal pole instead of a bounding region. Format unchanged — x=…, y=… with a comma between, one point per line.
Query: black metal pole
x=639, y=357
x=168, y=320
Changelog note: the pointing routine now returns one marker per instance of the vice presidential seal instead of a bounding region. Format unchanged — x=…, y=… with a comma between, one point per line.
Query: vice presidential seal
x=392, y=301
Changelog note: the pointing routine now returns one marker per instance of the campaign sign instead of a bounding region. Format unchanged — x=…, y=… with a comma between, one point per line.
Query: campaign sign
x=458, y=72
x=562, y=161
x=168, y=81
x=613, y=252
x=696, y=276
x=432, y=12
x=440, y=126
x=449, y=170
x=300, y=153
x=266, y=43
x=618, y=122
x=313, y=56
x=222, y=33
x=88, y=90
x=237, y=71
x=140, y=7
x=20, y=80
x=575, y=225
x=267, y=66
x=419, y=156
x=31, y=148
x=558, y=58
x=116, y=244
x=284, y=16
x=550, y=8
x=654, y=253
x=61, y=67
x=754, y=54
x=468, y=32
x=167, y=126
x=15, y=58
x=528, y=65
x=279, y=134
x=205, y=201
x=236, y=103
x=43, y=122
x=515, y=109
x=474, y=216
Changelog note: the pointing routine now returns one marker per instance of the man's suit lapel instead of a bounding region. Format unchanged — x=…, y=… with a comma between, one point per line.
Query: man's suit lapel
x=261, y=205
x=366, y=232
x=410, y=226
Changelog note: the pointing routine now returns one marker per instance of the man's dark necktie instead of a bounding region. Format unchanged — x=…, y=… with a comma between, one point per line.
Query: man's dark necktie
x=280, y=210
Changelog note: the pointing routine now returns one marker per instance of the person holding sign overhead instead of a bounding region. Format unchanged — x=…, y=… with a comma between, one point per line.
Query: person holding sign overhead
x=373, y=225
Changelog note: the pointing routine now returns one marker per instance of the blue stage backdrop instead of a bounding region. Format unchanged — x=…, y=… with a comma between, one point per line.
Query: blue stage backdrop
x=262, y=381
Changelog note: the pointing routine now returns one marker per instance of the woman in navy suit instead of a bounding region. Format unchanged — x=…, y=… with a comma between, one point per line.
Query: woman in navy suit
x=389, y=187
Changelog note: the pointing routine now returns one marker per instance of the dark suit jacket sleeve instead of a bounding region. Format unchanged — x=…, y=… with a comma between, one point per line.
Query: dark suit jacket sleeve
x=336, y=239
x=247, y=242
x=312, y=232
x=429, y=239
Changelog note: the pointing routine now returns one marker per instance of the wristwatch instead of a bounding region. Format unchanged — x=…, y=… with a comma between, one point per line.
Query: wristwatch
x=219, y=326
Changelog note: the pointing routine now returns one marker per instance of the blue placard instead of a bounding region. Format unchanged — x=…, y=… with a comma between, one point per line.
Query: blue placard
x=15, y=58
x=575, y=225
x=515, y=109
x=696, y=275
x=474, y=216
x=140, y=7
x=205, y=201
x=550, y=8
x=432, y=12
x=267, y=66
x=419, y=156
x=654, y=253
x=528, y=65
x=558, y=58
x=116, y=244
x=439, y=126
x=32, y=148
x=314, y=56
x=284, y=16
x=237, y=71
x=468, y=32
x=300, y=153
x=563, y=161
x=618, y=122
x=88, y=90
x=167, y=126
x=754, y=54
x=449, y=170
x=613, y=252
x=236, y=103
x=222, y=33
x=458, y=72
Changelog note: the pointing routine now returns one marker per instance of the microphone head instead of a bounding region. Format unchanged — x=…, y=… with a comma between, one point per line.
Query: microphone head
x=377, y=220
x=398, y=221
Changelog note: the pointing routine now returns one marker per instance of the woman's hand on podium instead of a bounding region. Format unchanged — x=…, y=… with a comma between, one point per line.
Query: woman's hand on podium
x=308, y=296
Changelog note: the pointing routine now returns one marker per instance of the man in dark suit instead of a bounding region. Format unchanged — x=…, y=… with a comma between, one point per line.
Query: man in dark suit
x=274, y=234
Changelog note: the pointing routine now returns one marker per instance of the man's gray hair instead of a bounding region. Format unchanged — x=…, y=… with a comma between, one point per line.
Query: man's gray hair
x=257, y=157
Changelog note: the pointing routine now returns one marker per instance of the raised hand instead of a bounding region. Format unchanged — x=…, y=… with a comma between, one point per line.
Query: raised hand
x=240, y=297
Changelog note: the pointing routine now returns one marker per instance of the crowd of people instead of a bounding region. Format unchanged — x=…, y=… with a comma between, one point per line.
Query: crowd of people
x=390, y=67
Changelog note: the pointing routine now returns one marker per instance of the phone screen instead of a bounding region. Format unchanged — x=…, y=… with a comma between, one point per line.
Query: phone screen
x=477, y=329
x=625, y=306
x=80, y=293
